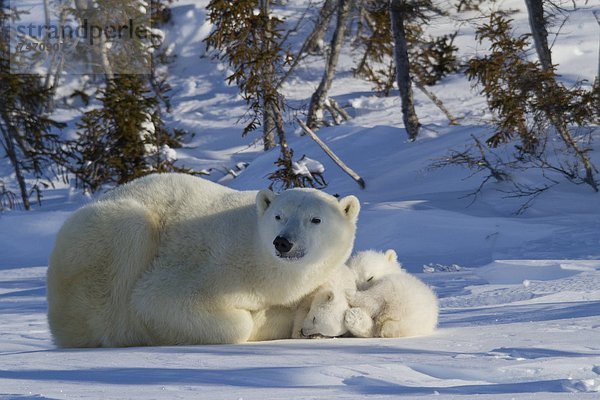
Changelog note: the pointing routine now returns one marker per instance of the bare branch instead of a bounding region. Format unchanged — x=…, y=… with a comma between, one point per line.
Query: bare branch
x=332, y=155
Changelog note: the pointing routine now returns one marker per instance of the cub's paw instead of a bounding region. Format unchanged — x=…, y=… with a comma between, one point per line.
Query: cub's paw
x=355, y=317
x=394, y=329
x=358, y=322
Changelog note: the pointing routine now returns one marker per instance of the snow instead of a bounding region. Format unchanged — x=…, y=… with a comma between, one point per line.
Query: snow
x=307, y=166
x=519, y=294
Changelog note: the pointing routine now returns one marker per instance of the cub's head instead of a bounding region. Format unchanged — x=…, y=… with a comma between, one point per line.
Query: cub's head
x=370, y=265
x=306, y=226
x=326, y=315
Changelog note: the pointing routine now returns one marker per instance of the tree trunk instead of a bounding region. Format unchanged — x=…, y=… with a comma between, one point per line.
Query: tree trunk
x=409, y=116
x=49, y=72
x=286, y=153
x=315, y=40
x=105, y=60
x=317, y=100
x=11, y=153
x=57, y=61
x=537, y=23
x=360, y=16
x=597, y=80
x=268, y=122
x=315, y=37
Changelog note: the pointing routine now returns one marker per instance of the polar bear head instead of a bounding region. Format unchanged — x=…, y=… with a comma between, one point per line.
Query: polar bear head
x=370, y=265
x=306, y=226
x=326, y=315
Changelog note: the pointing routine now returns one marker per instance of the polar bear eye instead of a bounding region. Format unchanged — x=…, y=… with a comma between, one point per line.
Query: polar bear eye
x=278, y=217
x=370, y=279
x=316, y=220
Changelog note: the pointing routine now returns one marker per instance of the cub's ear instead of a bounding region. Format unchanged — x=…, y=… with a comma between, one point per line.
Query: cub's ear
x=391, y=255
x=350, y=207
x=329, y=296
x=264, y=198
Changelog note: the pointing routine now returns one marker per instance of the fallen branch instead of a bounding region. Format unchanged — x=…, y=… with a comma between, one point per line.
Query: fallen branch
x=437, y=102
x=337, y=118
x=332, y=155
x=339, y=109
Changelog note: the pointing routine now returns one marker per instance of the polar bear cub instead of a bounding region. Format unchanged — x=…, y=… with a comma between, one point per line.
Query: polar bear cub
x=389, y=302
x=321, y=314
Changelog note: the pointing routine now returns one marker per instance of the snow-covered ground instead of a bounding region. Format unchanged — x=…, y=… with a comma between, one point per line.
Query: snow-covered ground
x=519, y=294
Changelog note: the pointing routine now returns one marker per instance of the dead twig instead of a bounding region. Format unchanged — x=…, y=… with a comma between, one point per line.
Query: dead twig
x=332, y=155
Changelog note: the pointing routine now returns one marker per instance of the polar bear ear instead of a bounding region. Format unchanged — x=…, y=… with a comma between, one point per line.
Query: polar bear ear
x=350, y=207
x=391, y=255
x=264, y=198
x=329, y=295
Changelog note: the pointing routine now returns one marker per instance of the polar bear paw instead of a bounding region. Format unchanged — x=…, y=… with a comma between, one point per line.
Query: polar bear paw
x=358, y=322
x=391, y=329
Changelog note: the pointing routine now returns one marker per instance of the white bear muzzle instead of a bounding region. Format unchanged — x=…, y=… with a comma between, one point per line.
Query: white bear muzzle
x=287, y=247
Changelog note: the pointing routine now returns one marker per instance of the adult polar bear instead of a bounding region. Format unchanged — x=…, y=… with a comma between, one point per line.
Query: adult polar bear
x=174, y=259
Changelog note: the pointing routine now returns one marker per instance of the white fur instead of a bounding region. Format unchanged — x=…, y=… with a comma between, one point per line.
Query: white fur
x=389, y=302
x=322, y=312
x=371, y=265
x=272, y=323
x=174, y=259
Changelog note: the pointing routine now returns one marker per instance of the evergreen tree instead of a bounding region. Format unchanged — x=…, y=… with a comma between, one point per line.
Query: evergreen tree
x=125, y=138
x=527, y=101
x=538, y=24
x=248, y=37
x=395, y=50
x=28, y=135
x=432, y=58
x=375, y=41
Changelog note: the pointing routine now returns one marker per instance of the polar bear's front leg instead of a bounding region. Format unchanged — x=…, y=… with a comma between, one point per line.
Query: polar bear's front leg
x=301, y=312
x=272, y=323
x=200, y=327
x=176, y=315
x=218, y=327
x=359, y=323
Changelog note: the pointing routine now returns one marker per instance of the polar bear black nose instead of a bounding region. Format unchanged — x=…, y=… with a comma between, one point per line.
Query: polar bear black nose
x=282, y=245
